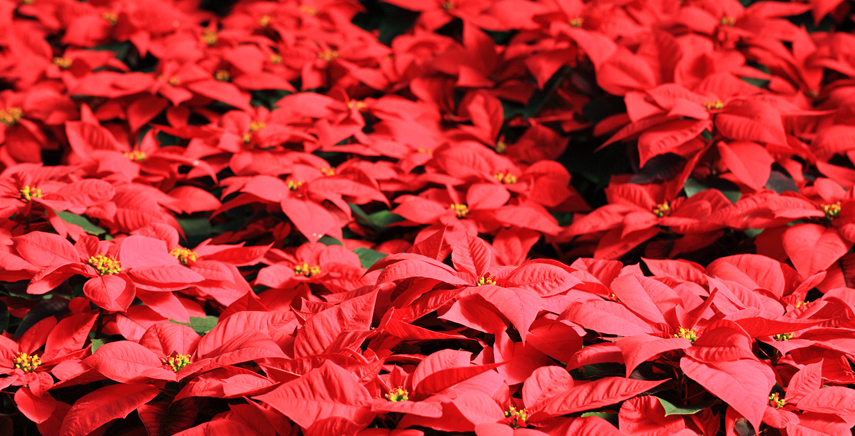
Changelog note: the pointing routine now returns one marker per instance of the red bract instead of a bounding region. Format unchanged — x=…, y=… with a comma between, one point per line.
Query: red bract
x=347, y=218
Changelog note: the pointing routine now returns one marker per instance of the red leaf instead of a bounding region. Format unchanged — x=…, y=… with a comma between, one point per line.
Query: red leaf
x=641, y=348
x=545, y=382
x=593, y=395
x=164, y=419
x=813, y=248
x=265, y=322
x=69, y=334
x=807, y=380
x=471, y=256
x=326, y=392
x=519, y=306
x=36, y=408
x=834, y=400
x=322, y=329
x=45, y=249
x=478, y=408
x=743, y=384
x=227, y=382
x=165, y=338
x=542, y=278
x=110, y=292
x=310, y=218
x=220, y=427
x=128, y=362
x=104, y=405
x=444, y=369
x=646, y=416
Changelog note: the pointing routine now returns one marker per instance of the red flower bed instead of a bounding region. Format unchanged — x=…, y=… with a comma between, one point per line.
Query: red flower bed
x=426, y=217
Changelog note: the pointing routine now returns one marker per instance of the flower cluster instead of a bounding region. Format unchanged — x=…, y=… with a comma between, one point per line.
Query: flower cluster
x=402, y=217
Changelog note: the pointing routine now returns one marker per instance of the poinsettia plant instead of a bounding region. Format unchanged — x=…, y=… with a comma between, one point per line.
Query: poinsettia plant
x=408, y=218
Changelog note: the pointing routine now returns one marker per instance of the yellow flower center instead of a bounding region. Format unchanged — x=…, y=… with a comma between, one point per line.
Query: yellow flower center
x=307, y=271
x=518, y=416
x=576, y=22
x=486, y=279
x=783, y=337
x=61, y=62
x=461, y=210
x=506, y=178
x=713, y=105
x=359, y=104
x=830, y=210
x=308, y=10
x=275, y=59
x=800, y=304
x=178, y=361
x=397, y=395
x=690, y=334
x=295, y=185
x=135, y=155
x=172, y=80
x=776, y=402
x=26, y=362
x=328, y=55
x=448, y=5
x=727, y=21
x=11, y=115
x=425, y=151
x=255, y=126
x=501, y=146
x=184, y=255
x=662, y=209
x=327, y=171
x=209, y=37
x=111, y=17
x=105, y=265
x=222, y=75
x=264, y=20
x=28, y=192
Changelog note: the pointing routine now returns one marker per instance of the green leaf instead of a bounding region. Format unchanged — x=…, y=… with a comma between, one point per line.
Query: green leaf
x=4, y=317
x=362, y=218
x=200, y=325
x=196, y=229
x=383, y=218
x=81, y=222
x=751, y=233
x=541, y=96
x=671, y=409
x=611, y=417
x=368, y=257
x=693, y=186
x=329, y=240
x=96, y=343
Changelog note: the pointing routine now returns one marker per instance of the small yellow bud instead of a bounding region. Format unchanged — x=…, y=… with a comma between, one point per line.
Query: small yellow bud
x=11, y=115
x=135, y=155
x=776, y=402
x=105, y=265
x=184, y=255
x=461, y=210
x=661, y=210
x=27, y=363
x=518, y=416
x=690, y=334
x=307, y=271
x=178, y=361
x=397, y=395
x=30, y=192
